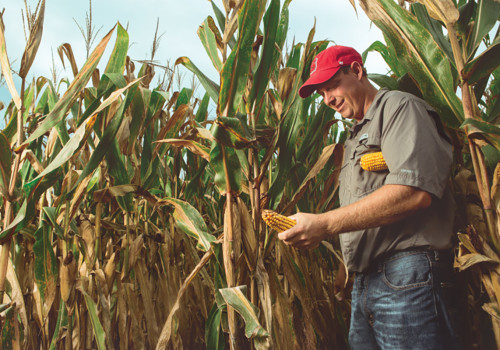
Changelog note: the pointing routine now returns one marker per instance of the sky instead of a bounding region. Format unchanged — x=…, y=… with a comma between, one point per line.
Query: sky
x=179, y=20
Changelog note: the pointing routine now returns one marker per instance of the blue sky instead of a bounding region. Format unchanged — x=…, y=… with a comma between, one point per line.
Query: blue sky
x=336, y=20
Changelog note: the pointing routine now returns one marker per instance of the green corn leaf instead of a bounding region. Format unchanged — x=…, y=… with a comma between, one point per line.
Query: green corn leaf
x=118, y=171
x=51, y=219
x=384, y=81
x=214, y=336
x=209, y=41
x=210, y=87
x=109, y=135
x=435, y=29
x=268, y=60
x=222, y=158
x=233, y=132
x=8, y=340
x=62, y=319
x=482, y=66
x=5, y=164
x=116, y=63
x=45, y=267
x=420, y=55
x=99, y=334
x=202, y=112
x=189, y=220
x=253, y=329
x=184, y=97
x=487, y=131
x=70, y=149
x=235, y=72
x=487, y=12
x=290, y=127
x=492, y=112
x=15, y=224
x=221, y=19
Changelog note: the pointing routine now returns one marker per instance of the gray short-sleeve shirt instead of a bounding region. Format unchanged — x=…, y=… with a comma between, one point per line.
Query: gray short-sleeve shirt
x=418, y=154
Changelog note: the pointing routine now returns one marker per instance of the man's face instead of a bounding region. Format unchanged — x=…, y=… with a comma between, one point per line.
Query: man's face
x=343, y=93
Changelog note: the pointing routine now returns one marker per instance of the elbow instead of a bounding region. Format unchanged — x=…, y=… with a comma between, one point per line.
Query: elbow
x=423, y=200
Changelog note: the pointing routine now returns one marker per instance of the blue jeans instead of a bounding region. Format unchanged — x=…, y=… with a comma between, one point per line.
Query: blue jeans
x=403, y=303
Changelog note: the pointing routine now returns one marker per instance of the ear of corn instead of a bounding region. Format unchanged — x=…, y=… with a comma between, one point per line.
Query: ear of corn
x=373, y=162
x=277, y=221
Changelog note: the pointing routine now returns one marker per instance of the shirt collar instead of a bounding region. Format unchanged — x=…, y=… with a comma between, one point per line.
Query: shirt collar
x=369, y=114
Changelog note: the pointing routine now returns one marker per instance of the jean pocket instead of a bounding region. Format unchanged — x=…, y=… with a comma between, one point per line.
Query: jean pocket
x=408, y=270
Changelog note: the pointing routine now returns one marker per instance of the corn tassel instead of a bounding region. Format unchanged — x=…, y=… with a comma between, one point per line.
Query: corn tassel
x=373, y=162
x=277, y=221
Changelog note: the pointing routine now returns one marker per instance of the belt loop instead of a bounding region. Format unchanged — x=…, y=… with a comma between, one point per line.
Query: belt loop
x=436, y=255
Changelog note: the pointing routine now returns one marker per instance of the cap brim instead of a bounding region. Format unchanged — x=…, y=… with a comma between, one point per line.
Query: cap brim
x=318, y=78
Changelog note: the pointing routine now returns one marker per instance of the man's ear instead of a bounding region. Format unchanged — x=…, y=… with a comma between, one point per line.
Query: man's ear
x=357, y=69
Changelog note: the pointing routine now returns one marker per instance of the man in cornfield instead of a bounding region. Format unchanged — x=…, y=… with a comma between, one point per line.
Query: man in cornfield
x=395, y=223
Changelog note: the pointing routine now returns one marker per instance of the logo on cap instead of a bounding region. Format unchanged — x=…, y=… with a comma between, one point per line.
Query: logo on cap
x=314, y=65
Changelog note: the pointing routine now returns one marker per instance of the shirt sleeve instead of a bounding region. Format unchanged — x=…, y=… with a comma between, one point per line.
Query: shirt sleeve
x=415, y=152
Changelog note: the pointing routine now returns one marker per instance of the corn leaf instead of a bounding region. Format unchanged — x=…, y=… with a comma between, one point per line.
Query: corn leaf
x=110, y=132
x=69, y=150
x=45, y=268
x=16, y=295
x=99, y=334
x=221, y=157
x=330, y=151
x=209, y=41
x=6, y=71
x=290, y=126
x=483, y=65
x=193, y=146
x=72, y=93
x=118, y=171
x=116, y=63
x=435, y=28
x=14, y=226
x=233, y=132
x=33, y=42
x=62, y=318
x=214, y=336
x=442, y=10
x=487, y=12
x=490, y=132
x=268, y=60
x=253, y=329
x=420, y=55
x=235, y=72
x=189, y=220
x=5, y=164
x=210, y=87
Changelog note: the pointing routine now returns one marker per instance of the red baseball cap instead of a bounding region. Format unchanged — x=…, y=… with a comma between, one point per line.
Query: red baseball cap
x=326, y=64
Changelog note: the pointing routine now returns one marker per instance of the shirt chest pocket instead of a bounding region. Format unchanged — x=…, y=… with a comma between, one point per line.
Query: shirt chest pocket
x=363, y=182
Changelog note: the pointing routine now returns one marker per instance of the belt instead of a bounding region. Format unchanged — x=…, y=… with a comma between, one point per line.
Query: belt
x=445, y=255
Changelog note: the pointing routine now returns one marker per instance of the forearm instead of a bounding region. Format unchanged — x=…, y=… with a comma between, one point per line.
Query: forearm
x=384, y=206
x=387, y=205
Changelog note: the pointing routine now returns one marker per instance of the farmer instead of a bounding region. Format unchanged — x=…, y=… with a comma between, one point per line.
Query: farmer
x=395, y=225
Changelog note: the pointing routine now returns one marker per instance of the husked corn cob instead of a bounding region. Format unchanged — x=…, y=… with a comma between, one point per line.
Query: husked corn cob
x=373, y=162
x=277, y=221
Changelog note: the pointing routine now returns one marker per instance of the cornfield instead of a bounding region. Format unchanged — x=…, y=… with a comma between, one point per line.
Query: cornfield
x=132, y=219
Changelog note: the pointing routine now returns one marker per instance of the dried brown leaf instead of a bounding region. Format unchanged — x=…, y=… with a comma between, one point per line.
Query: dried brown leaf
x=33, y=42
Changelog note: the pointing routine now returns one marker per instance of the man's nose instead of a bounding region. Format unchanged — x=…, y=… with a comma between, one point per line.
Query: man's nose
x=329, y=99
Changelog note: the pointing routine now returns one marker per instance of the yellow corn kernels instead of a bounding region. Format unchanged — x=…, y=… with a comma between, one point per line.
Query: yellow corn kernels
x=373, y=162
x=277, y=221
